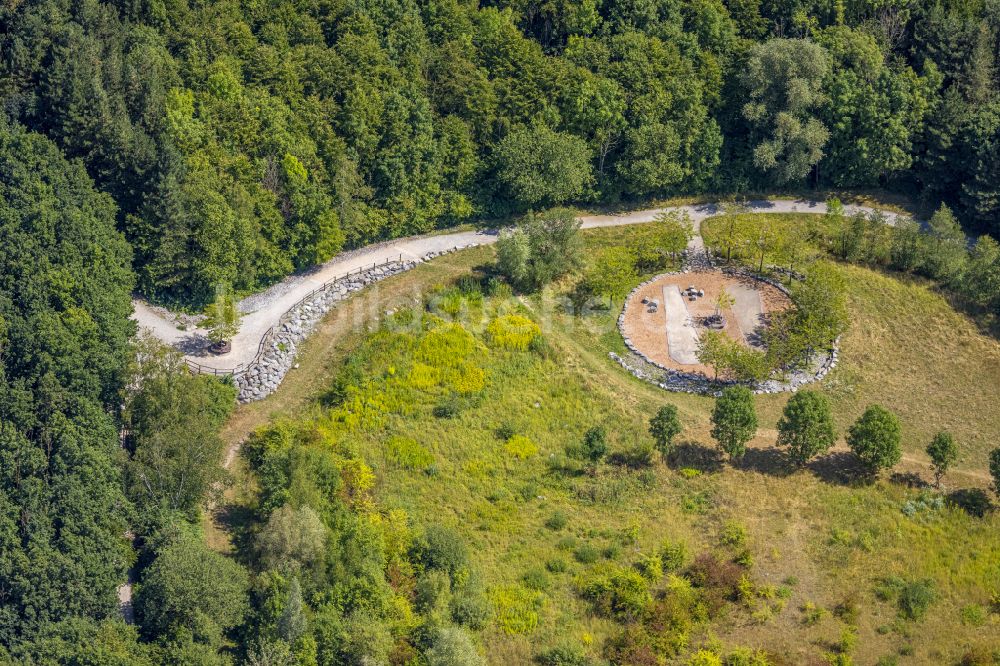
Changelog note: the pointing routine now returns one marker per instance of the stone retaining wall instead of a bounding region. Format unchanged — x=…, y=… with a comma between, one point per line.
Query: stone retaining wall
x=262, y=377
x=671, y=379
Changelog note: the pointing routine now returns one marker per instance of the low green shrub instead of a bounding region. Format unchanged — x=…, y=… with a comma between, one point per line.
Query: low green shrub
x=618, y=592
x=540, y=347
x=673, y=555
x=504, y=431
x=441, y=548
x=409, y=453
x=704, y=658
x=535, y=579
x=453, y=646
x=556, y=564
x=734, y=535
x=746, y=657
x=556, y=521
x=848, y=610
x=563, y=655
x=980, y=656
x=586, y=553
x=471, y=607
x=512, y=332
x=812, y=614
x=650, y=566
x=516, y=609
x=913, y=597
x=521, y=447
x=431, y=592
x=449, y=408
x=973, y=615
x=498, y=289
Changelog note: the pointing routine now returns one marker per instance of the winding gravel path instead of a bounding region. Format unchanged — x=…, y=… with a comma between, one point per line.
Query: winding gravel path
x=262, y=310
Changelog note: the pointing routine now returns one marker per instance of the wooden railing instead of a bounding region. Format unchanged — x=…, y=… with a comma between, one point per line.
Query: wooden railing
x=269, y=334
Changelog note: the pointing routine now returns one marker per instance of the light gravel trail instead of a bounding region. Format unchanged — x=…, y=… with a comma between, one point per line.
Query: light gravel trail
x=682, y=336
x=264, y=309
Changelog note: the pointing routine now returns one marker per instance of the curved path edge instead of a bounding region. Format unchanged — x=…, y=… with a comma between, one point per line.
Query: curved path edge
x=274, y=307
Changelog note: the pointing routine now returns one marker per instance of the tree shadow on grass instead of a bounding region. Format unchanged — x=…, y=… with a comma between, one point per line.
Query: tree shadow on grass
x=770, y=460
x=841, y=468
x=909, y=479
x=689, y=454
x=236, y=520
x=974, y=501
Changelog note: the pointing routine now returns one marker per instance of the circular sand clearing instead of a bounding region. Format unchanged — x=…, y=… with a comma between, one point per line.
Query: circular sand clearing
x=665, y=318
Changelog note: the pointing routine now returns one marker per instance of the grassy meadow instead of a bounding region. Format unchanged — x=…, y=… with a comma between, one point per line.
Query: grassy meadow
x=466, y=415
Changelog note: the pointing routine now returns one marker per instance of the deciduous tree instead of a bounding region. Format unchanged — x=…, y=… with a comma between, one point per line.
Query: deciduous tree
x=540, y=167
x=189, y=587
x=734, y=421
x=995, y=469
x=874, y=438
x=806, y=426
x=664, y=426
x=782, y=81
x=614, y=274
x=943, y=452
x=543, y=247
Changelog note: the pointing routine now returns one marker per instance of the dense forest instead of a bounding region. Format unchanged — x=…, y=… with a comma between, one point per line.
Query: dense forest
x=241, y=141
x=173, y=146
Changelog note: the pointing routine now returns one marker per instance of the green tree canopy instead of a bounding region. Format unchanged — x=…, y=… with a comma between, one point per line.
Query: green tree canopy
x=664, y=426
x=613, y=274
x=222, y=316
x=943, y=451
x=190, y=588
x=874, y=438
x=995, y=469
x=543, y=247
x=806, y=426
x=820, y=305
x=734, y=420
x=173, y=421
x=783, y=84
x=65, y=286
x=542, y=167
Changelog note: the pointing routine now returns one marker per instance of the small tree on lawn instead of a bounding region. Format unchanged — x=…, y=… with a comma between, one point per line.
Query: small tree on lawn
x=874, y=438
x=664, y=426
x=943, y=452
x=734, y=421
x=995, y=469
x=595, y=444
x=222, y=316
x=806, y=426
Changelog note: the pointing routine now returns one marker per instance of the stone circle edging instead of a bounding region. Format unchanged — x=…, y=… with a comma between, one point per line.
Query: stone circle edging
x=691, y=382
